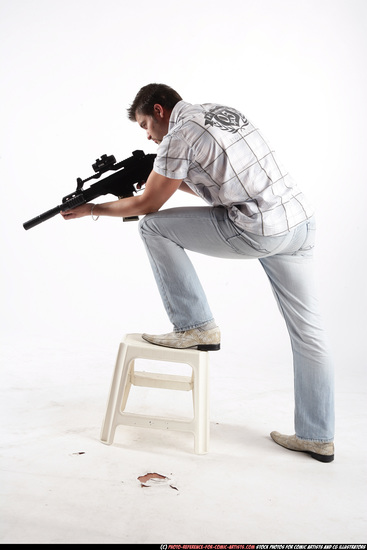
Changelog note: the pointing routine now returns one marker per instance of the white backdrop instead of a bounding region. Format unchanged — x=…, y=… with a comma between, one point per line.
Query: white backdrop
x=69, y=70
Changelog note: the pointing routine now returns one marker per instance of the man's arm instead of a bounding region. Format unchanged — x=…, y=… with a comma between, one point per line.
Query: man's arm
x=158, y=189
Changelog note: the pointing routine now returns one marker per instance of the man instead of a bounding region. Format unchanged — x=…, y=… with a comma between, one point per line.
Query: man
x=255, y=211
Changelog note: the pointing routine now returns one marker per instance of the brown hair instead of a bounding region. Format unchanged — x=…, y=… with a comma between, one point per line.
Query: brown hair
x=150, y=95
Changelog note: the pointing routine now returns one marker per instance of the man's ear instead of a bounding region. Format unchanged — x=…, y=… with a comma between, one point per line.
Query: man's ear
x=159, y=110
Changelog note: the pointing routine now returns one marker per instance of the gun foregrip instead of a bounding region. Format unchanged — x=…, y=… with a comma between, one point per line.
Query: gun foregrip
x=72, y=202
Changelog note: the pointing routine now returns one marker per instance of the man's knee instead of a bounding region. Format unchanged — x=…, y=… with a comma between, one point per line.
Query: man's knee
x=145, y=224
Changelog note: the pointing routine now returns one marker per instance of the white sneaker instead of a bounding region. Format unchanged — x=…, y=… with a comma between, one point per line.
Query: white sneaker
x=203, y=340
x=323, y=452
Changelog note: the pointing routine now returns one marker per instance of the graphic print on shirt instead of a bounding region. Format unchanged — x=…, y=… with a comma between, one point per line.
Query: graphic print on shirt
x=226, y=119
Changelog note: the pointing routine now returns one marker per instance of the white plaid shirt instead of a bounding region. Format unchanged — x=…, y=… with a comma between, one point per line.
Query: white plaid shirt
x=227, y=162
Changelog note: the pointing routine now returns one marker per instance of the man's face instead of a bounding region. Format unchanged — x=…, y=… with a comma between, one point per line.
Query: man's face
x=156, y=126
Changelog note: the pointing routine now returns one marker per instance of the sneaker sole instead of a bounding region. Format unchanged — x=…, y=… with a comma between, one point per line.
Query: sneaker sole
x=199, y=347
x=321, y=458
x=207, y=347
x=316, y=456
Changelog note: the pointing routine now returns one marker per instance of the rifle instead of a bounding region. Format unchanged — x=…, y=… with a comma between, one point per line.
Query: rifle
x=128, y=172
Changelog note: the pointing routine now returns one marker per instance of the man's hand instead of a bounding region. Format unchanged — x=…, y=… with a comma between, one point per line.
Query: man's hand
x=78, y=212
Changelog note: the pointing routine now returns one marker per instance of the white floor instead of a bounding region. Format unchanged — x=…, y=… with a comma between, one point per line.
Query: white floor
x=60, y=484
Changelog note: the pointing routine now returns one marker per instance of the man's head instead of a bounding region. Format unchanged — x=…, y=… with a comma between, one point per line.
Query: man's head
x=151, y=109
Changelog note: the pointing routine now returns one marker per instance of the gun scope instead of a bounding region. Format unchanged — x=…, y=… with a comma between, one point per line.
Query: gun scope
x=104, y=163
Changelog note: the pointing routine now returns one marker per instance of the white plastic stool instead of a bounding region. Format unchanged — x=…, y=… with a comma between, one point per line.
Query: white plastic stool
x=134, y=347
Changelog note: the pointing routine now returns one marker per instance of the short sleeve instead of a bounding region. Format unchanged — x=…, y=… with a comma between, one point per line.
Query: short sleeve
x=173, y=157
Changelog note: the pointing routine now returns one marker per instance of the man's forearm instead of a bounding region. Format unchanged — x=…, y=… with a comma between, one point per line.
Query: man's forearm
x=158, y=190
x=130, y=206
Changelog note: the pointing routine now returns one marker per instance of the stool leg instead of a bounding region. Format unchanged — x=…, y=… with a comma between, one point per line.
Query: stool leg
x=201, y=405
x=127, y=385
x=120, y=384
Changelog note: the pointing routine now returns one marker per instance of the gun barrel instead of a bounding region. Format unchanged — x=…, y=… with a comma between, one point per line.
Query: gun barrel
x=42, y=217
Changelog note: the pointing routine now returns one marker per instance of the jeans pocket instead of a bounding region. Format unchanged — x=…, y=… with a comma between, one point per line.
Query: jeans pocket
x=308, y=245
x=255, y=246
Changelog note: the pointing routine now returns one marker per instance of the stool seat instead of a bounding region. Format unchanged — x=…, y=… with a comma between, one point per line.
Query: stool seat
x=133, y=347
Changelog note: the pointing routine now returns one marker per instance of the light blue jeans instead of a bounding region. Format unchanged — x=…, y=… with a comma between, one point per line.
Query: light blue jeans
x=287, y=261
